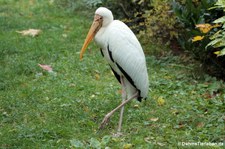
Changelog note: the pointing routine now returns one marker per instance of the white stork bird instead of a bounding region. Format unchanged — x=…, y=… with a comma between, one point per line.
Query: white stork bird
x=123, y=52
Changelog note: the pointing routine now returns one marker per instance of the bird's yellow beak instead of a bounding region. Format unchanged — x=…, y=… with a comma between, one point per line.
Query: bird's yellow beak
x=96, y=25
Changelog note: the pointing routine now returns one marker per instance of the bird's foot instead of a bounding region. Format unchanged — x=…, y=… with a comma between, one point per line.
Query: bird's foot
x=105, y=121
x=117, y=134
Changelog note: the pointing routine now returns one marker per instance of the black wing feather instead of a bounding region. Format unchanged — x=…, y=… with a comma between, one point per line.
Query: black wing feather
x=110, y=53
x=116, y=74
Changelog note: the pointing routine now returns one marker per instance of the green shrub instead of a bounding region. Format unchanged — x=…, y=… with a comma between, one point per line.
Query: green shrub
x=160, y=22
x=126, y=8
x=130, y=12
x=218, y=39
x=151, y=20
x=189, y=14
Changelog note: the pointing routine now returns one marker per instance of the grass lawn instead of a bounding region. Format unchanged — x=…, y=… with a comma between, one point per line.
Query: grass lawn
x=63, y=108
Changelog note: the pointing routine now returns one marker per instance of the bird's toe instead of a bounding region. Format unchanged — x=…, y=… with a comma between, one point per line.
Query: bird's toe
x=104, y=122
x=117, y=135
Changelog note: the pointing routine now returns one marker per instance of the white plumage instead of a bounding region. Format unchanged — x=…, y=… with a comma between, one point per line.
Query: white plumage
x=126, y=52
x=123, y=52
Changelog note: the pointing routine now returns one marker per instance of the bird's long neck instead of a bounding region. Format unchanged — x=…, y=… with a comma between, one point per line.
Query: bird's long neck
x=100, y=37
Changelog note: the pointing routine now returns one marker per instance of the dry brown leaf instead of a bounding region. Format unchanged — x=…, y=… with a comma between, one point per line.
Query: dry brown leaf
x=30, y=32
x=200, y=125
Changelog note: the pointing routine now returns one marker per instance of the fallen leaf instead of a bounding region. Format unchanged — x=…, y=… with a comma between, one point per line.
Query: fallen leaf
x=86, y=109
x=46, y=67
x=72, y=85
x=154, y=119
x=127, y=146
x=147, y=139
x=160, y=101
x=200, y=125
x=160, y=144
x=30, y=32
x=97, y=76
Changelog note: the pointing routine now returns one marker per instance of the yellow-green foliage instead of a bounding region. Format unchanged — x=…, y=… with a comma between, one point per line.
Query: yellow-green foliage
x=218, y=39
x=160, y=22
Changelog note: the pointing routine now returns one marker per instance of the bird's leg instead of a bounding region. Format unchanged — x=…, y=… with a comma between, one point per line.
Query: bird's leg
x=124, y=97
x=106, y=119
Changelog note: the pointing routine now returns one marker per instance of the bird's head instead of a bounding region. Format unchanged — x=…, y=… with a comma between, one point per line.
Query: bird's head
x=102, y=18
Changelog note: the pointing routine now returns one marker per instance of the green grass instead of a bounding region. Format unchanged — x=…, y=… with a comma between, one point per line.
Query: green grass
x=64, y=109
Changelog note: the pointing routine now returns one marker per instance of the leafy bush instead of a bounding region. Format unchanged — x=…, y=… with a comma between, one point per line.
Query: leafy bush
x=218, y=39
x=126, y=8
x=152, y=21
x=131, y=12
x=159, y=22
x=189, y=14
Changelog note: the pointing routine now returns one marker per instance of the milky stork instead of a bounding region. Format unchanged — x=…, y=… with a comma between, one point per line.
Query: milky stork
x=121, y=49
